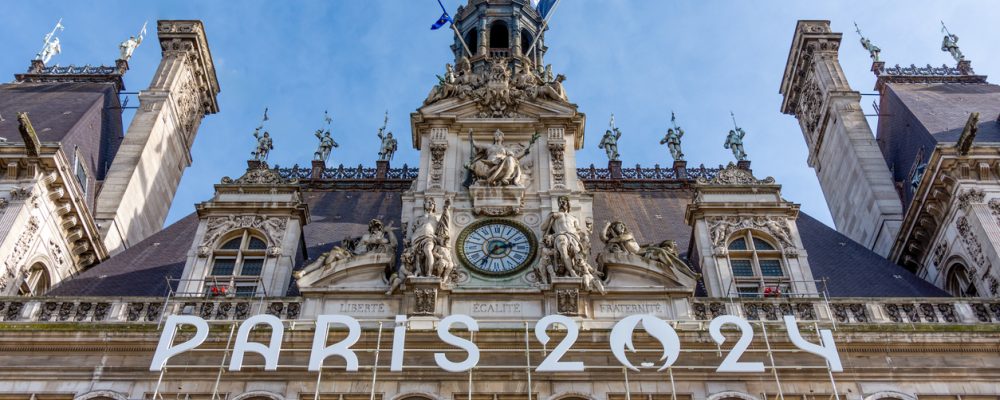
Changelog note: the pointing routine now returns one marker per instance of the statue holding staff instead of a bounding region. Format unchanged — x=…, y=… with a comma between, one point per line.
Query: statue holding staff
x=388, y=146
x=127, y=47
x=610, y=140
x=673, y=139
x=326, y=142
x=734, y=141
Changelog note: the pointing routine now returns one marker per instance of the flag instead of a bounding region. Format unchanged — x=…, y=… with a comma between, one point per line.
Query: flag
x=445, y=18
x=543, y=6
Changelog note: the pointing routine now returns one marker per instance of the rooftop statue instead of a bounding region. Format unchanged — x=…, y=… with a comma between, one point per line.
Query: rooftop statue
x=673, y=139
x=734, y=141
x=873, y=50
x=264, y=144
x=497, y=164
x=950, y=44
x=610, y=140
x=127, y=47
x=388, y=143
x=326, y=142
x=51, y=46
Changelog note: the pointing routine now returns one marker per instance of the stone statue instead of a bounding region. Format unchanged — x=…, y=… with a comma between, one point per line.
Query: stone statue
x=734, y=141
x=610, y=140
x=618, y=239
x=264, y=145
x=379, y=239
x=336, y=254
x=554, y=90
x=388, y=146
x=563, y=243
x=127, y=47
x=673, y=139
x=497, y=164
x=950, y=44
x=547, y=74
x=430, y=231
x=667, y=253
x=873, y=50
x=326, y=142
x=51, y=45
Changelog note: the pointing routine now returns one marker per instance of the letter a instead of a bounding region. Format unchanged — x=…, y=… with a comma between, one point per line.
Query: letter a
x=342, y=348
x=270, y=352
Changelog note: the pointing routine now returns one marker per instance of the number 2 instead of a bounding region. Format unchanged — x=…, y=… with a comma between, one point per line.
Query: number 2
x=552, y=363
x=731, y=363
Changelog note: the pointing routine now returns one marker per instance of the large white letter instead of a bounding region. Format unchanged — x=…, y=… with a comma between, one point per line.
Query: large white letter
x=443, y=327
x=166, y=349
x=732, y=361
x=552, y=363
x=270, y=352
x=621, y=338
x=827, y=349
x=341, y=348
x=398, y=343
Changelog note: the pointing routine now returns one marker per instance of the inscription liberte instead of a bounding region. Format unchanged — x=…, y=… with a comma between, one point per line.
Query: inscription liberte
x=631, y=308
x=363, y=308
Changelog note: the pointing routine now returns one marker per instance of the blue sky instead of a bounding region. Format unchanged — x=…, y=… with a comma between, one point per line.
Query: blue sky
x=637, y=58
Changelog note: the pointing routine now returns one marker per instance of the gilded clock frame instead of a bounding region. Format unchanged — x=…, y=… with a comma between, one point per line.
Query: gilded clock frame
x=532, y=245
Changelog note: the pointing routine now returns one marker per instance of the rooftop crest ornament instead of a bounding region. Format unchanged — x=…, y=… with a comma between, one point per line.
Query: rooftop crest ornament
x=51, y=46
x=950, y=44
x=673, y=139
x=388, y=146
x=326, y=142
x=264, y=144
x=734, y=141
x=873, y=50
x=127, y=47
x=610, y=140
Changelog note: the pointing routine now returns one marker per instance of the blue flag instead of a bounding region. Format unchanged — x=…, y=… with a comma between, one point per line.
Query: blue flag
x=445, y=18
x=543, y=6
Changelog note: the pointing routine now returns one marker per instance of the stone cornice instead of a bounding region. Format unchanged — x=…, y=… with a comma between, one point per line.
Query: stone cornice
x=810, y=36
x=187, y=37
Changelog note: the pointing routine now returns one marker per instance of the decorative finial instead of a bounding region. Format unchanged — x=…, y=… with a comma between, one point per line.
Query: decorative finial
x=673, y=139
x=264, y=144
x=326, y=142
x=873, y=50
x=128, y=46
x=734, y=141
x=610, y=140
x=388, y=143
x=950, y=44
x=51, y=46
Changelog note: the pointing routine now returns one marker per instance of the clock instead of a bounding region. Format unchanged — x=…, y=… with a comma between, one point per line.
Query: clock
x=496, y=246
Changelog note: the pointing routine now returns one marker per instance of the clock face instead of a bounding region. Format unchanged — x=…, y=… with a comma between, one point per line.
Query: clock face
x=496, y=247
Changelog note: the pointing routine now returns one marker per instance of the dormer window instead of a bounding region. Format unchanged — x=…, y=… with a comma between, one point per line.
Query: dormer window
x=756, y=266
x=236, y=266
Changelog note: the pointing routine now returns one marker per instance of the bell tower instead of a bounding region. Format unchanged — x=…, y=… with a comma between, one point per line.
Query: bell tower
x=842, y=149
x=497, y=137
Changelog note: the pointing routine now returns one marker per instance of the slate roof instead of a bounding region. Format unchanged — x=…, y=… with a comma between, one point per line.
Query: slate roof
x=82, y=116
x=851, y=269
x=919, y=115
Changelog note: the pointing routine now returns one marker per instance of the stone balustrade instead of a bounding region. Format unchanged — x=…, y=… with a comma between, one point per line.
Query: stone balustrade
x=855, y=310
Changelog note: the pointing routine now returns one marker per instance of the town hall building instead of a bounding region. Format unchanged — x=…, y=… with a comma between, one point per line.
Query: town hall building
x=498, y=268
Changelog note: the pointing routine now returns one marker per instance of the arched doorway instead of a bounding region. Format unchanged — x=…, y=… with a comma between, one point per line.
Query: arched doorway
x=472, y=40
x=499, y=39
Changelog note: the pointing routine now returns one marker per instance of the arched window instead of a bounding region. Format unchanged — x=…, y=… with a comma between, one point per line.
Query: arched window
x=236, y=266
x=958, y=282
x=756, y=266
x=499, y=35
x=37, y=282
x=526, y=40
x=471, y=40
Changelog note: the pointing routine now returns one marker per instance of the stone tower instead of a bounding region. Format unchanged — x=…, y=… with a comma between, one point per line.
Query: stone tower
x=144, y=175
x=854, y=176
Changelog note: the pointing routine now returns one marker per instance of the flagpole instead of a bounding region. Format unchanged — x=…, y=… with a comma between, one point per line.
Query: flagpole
x=460, y=39
x=545, y=24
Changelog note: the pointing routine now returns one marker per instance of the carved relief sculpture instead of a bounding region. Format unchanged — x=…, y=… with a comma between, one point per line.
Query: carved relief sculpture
x=273, y=229
x=377, y=247
x=495, y=90
x=497, y=164
x=426, y=251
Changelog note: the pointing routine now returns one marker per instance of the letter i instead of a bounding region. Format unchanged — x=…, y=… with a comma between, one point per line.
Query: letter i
x=398, y=343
